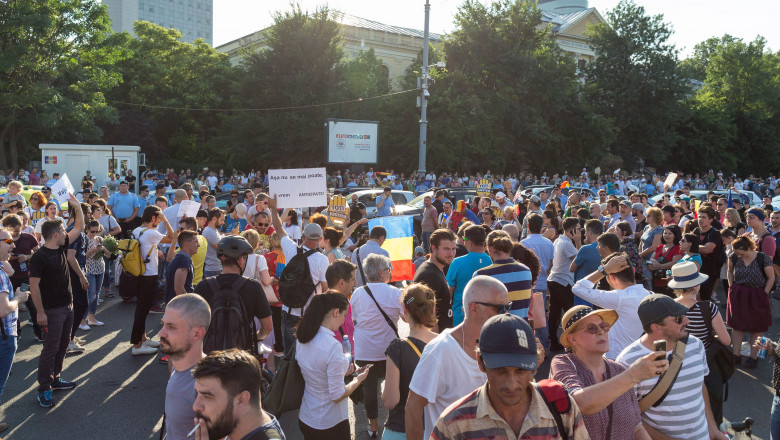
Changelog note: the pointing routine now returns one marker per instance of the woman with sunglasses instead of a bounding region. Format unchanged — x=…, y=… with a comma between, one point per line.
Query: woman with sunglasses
x=686, y=282
x=51, y=214
x=602, y=388
x=36, y=211
x=95, y=270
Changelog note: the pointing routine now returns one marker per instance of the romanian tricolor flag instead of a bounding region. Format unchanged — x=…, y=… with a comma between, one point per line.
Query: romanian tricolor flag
x=399, y=243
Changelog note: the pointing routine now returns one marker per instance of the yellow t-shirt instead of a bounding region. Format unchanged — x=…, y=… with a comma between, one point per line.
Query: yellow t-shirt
x=198, y=260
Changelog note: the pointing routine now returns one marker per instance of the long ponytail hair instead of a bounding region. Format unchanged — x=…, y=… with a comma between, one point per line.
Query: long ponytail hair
x=318, y=309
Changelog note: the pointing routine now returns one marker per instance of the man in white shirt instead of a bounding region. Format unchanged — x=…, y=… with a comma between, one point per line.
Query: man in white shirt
x=448, y=368
x=561, y=278
x=318, y=265
x=624, y=299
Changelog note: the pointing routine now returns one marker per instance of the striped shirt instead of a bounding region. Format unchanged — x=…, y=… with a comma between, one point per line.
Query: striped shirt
x=9, y=322
x=697, y=327
x=517, y=279
x=681, y=414
x=473, y=417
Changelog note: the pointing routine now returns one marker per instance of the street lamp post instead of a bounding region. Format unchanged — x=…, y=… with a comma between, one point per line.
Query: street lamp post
x=424, y=95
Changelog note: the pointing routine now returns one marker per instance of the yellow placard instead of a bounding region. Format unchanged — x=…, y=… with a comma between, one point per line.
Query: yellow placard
x=338, y=211
x=483, y=187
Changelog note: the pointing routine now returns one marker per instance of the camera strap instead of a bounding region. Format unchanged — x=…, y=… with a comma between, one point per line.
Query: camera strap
x=666, y=381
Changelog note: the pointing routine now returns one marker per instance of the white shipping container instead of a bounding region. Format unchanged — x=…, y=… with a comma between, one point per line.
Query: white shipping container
x=75, y=160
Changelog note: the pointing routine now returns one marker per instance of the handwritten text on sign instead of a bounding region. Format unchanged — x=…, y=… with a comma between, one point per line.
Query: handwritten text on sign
x=299, y=187
x=62, y=189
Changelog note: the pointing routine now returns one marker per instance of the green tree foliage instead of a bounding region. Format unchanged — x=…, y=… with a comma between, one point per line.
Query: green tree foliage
x=510, y=94
x=299, y=66
x=164, y=71
x=635, y=82
x=57, y=61
x=742, y=86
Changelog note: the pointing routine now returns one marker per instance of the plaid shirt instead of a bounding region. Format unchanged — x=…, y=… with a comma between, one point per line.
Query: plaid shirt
x=9, y=322
x=474, y=417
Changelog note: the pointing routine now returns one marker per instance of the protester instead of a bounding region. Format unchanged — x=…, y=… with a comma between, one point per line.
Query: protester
x=324, y=409
x=435, y=385
x=588, y=257
x=507, y=404
x=516, y=277
x=50, y=287
x=462, y=268
x=185, y=322
x=211, y=233
x=24, y=245
x=751, y=279
x=663, y=318
x=95, y=270
x=227, y=405
x=403, y=355
x=341, y=279
x=431, y=274
x=561, y=279
x=711, y=249
x=602, y=388
x=686, y=282
x=376, y=307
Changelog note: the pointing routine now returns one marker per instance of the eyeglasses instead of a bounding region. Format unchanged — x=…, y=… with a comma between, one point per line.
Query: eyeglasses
x=94, y=232
x=8, y=241
x=677, y=319
x=34, y=198
x=502, y=308
x=263, y=224
x=594, y=329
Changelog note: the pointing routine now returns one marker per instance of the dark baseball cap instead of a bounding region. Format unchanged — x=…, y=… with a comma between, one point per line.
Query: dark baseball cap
x=656, y=307
x=46, y=188
x=160, y=186
x=507, y=341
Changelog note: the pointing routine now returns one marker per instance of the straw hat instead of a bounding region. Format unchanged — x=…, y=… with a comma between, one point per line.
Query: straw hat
x=575, y=314
x=686, y=275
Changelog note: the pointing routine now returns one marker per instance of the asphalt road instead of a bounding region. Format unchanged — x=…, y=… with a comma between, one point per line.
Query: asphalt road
x=121, y=396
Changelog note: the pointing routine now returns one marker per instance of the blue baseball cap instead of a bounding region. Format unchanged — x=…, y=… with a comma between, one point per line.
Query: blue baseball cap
x=507, y=341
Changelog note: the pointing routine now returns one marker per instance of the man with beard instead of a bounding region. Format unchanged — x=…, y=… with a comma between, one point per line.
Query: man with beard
x=227, y=384
x=431, y=273
x=216, y=219
x=184, y=324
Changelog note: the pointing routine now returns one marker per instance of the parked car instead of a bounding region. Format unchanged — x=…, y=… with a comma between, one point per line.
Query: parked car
x=415, y=206
x=701, y=194
x=368, y=197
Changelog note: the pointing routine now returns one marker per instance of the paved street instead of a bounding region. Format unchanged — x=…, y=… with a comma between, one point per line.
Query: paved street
x=121, y=396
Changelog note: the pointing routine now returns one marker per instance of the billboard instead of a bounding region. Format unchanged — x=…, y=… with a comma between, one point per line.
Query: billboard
x=349, y=141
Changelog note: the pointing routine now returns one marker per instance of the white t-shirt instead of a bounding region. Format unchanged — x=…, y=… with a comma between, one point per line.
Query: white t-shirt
x=372, y=333
x=444, y=374
x=318, y=264
x=254, y=265
x=212, y=236
x=149, y=239
x=170, y=213
x=39, y=225
x=323, y=366
x=212, y=182
x=293, y=231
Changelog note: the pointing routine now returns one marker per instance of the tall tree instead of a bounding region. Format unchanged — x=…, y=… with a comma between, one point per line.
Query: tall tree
x=634, y=81
x=57, y=61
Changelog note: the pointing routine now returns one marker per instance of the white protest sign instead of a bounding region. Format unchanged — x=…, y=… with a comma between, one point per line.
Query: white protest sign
x=62, y=189
x=188, y=208
x=670, y=179
x=299, y=187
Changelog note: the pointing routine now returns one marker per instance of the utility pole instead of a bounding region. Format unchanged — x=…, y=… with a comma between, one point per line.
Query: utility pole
x=424, y=95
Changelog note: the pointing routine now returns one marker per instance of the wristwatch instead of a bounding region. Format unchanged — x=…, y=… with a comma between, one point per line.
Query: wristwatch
x=601, y=269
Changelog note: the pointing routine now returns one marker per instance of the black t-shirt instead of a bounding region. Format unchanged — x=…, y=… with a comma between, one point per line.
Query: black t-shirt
x=356, y=211
x=51, y=266
x=433, y=277
x=131, y=182
x=711, y=263
x=404, y=357
x=251, y=294
x=439, y=205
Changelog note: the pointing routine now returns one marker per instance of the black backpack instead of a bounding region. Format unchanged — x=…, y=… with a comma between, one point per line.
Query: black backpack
x=229, y=327
x=295, y=284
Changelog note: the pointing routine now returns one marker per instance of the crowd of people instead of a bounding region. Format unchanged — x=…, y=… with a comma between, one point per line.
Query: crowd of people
x=620, y=295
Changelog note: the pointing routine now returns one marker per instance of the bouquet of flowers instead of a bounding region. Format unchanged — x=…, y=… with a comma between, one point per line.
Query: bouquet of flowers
x=111, y=245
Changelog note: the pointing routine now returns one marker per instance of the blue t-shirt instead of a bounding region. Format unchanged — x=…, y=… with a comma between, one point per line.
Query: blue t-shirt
x=80, y=245
x=385, y=210
x=587, y=260
x=180, y=261
x=459, y=274
x=227, y=187
x=122, y=205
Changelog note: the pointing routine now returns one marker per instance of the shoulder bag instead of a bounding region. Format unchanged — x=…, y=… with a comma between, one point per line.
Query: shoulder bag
x=286, y=390
x=666, y=381
x=717, y=354
x=365, y=280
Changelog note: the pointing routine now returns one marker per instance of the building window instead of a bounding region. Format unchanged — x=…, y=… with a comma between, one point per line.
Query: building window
x=581, y=65
x=384, y=72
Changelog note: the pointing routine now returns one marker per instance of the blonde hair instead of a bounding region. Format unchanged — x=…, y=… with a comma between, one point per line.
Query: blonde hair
x=732, y=215
x=15, y=184
x=252, y=237
x=275, y=241
x=655, y=214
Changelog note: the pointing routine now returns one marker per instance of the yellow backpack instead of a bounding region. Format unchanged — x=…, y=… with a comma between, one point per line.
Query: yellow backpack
x=131, y=260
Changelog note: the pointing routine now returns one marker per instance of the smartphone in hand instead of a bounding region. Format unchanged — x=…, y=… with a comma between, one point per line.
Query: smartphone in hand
x=659, y=345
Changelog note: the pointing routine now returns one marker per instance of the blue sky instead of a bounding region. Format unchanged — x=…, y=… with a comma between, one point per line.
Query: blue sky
x=693, y=20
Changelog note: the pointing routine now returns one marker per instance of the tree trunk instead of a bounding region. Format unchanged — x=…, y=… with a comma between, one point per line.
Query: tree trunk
x=13, y=136
x=3, y=155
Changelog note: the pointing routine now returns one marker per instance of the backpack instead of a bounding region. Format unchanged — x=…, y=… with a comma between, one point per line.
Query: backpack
x=557, y=400
x=229, y=326
x=776, y=257
x=131, y=260
x=295, y=284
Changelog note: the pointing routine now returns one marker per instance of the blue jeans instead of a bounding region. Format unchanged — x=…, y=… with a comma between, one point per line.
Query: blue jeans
x=425, y=238
x=7, y=352
x=107, y=274
x=95, y=281
x=288, y=331
x=774, y=420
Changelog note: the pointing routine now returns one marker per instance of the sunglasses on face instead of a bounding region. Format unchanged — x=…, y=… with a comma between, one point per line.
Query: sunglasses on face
x=263, y=224
x=678, y=319
x=8, y=241
x=595, y=329
x=502, y=308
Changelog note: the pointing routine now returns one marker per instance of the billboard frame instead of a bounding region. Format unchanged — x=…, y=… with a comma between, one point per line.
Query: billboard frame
x=327, y=141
